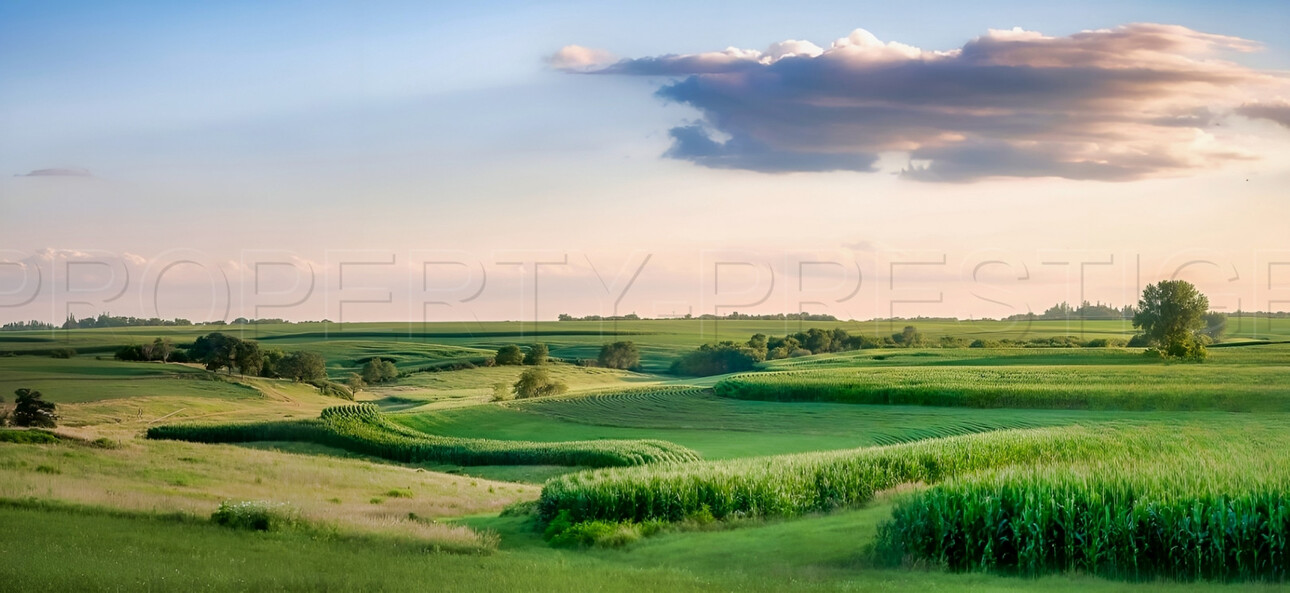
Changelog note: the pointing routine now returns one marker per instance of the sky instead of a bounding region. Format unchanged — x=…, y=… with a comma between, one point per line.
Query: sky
x=475, y=161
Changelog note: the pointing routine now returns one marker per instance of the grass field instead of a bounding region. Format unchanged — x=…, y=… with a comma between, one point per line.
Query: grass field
x=414, y=344
x=809, y=495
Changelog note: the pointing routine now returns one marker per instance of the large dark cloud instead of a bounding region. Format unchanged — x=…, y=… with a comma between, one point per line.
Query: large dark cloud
x=1121, y=104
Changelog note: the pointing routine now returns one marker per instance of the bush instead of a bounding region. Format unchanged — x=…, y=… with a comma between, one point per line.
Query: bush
x=1139, y=341
x=619, y=355
x=538, y=383
x=256, y=516
x=509, y=354
x=715, y=359
x=27, y=437
x=537, y=355
x=379, y=371
x=32, y=410
x=62, y=353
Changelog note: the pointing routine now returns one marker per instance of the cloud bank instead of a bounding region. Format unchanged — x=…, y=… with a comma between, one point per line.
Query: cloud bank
x=1136, y=101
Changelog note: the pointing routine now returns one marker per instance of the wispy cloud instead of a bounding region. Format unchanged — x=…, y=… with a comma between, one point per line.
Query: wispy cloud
x=58, y=172
x=1136, y=101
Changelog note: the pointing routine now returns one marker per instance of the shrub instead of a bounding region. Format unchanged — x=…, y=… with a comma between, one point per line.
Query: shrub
x=62, y=353
x=537, y=355
x=379, y=370
x=716, y=359
x=619, y=355
x=32, y=410
x=509, y=355
x=538, y=383
x=27, y=437
x=256, y=516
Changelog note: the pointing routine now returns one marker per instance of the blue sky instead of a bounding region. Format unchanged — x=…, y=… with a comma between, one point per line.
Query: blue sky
x=309, y=127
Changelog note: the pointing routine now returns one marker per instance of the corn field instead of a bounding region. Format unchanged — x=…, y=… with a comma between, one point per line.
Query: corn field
x=1122, y=521
x=787, y=485
x=361, y=428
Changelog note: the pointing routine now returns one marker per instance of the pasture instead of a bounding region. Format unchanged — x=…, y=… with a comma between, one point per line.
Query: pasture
x=824, y=472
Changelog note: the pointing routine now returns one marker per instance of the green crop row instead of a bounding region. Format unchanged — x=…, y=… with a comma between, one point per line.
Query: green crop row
x=361, y=428
x=786, y=485
x=1119, y=387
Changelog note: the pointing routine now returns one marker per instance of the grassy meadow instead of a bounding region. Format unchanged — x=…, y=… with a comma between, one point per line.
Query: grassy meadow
x=975, y=469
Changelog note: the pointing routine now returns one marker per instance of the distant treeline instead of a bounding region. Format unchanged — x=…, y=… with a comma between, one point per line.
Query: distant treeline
x=1086, y=310
x=17, y=326
x=108, y=320
x=736, y=316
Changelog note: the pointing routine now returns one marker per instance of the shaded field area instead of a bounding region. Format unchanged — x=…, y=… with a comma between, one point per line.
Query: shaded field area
x=723, y=428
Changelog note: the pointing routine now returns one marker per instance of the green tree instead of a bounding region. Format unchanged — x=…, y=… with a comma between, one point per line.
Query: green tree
x=538, y=382
x=389, y=372
x=303, y=366
x=354, y=382
x=908, y=337
x=758, y=345
x=509, y=354
x=619, y=355
x=162, y=348
x=1171, y=313
x=248, y=357
x=216, y=351
x=32, y=410
x=502, y=392
x=537, y=355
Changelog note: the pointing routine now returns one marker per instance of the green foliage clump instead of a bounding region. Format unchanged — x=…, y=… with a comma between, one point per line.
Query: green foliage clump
x=538, y=383
x=1171, y=314
x=716, y=359
x=379, y=370
x=27, y=437
x=619, y=355
x=361, y=428
x=31, y=409
x=509, y=355
x=256, y=515
x=537, y=355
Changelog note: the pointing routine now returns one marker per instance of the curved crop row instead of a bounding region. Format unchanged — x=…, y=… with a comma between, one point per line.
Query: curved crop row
x=786, y=485
x=1120, y=387
x=362, y=429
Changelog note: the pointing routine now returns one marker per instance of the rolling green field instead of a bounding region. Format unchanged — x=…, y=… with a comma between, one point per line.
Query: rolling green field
x=414, y=344
x=888, y=469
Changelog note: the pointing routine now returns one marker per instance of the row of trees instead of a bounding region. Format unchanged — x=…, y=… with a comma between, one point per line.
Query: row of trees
x=222, y=351
x=106, y=320
x=510, y=354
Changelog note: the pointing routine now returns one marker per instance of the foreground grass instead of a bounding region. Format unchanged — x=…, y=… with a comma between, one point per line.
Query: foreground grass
x=167, y=476
x=114, y=552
